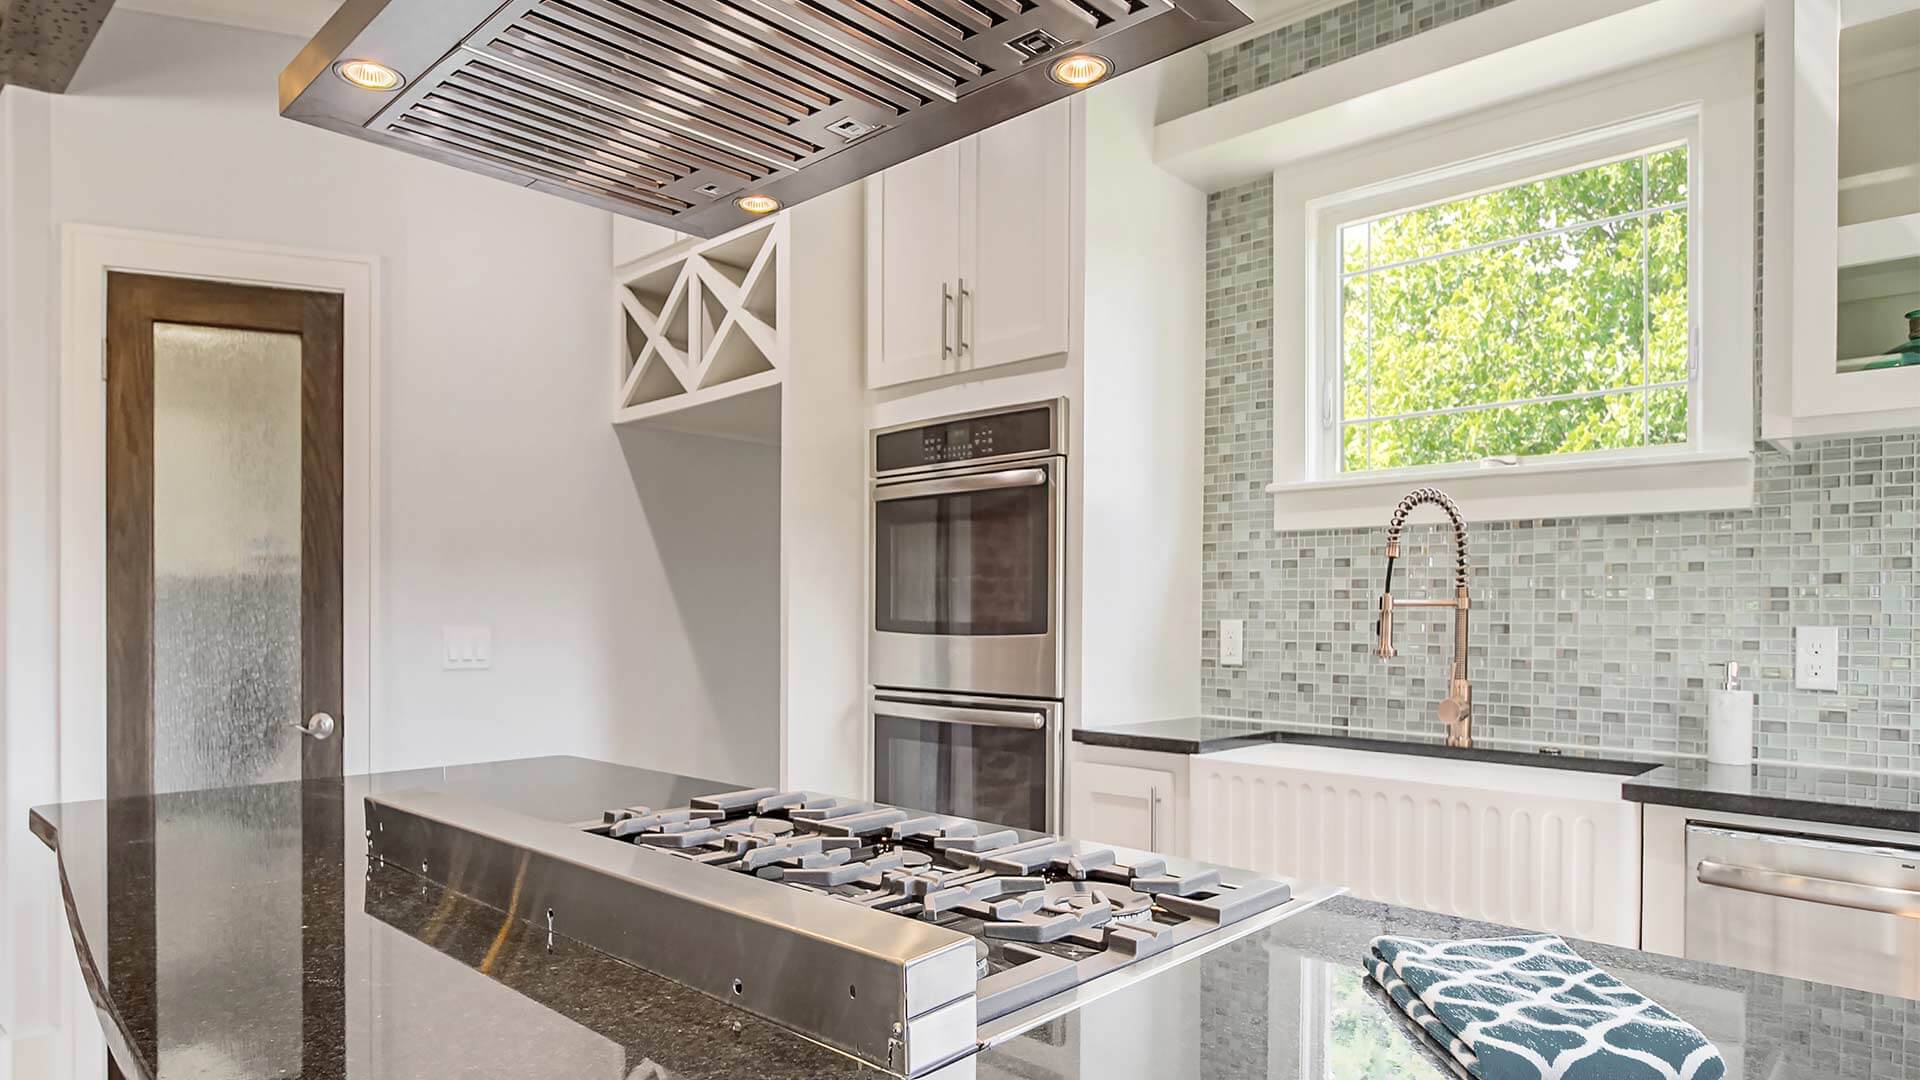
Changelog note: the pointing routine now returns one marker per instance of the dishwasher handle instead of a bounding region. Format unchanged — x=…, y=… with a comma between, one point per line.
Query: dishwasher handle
x=1814, y=890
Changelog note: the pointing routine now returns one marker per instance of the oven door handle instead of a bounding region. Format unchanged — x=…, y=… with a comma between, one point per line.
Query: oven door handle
x=956, y=714
x=960, y=485
x=1814, y=890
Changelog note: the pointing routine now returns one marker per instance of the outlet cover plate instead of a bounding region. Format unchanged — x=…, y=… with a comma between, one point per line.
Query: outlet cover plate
x=1233, y=642
x=1816, y=657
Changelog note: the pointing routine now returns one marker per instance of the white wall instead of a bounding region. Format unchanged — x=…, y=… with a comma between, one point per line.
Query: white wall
x=636, y=239
x=1143, y=385
x=504, y=495
x=825, y=501
x=39, y=990
x=694, y=644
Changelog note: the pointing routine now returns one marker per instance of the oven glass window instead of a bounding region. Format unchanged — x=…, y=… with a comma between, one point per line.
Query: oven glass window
x=970, y=564
x=987, y=773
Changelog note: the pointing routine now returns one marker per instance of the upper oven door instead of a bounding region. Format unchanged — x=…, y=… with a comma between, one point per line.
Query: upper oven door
x=966, y=581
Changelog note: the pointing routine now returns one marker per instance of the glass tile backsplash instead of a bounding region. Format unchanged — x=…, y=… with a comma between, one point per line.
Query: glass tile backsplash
x=1338, y=33
x=1598, y=632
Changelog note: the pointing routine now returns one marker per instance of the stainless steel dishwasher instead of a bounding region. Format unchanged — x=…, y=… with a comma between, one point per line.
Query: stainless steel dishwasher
x=1829, y=909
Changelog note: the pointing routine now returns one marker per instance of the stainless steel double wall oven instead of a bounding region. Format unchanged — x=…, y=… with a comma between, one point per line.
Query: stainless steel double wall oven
x=967, y=644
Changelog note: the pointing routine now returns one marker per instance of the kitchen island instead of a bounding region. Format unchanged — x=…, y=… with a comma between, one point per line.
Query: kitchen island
x=243, y=932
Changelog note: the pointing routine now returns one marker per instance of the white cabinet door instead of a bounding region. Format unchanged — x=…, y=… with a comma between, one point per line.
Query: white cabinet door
x=1120, y=805
x=1016, y=233
x=913, y=268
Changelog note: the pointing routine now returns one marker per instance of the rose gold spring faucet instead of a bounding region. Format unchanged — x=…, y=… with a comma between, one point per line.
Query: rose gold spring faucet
x=1456, y=711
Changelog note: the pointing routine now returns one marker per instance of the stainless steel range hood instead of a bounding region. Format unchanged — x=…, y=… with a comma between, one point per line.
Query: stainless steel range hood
x=672, y=110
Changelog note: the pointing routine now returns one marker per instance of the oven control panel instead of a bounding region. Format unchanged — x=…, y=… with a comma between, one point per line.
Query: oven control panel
x=1017, y=433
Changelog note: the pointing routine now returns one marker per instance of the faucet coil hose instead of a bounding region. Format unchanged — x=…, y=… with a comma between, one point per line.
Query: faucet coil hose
x=1423, y=497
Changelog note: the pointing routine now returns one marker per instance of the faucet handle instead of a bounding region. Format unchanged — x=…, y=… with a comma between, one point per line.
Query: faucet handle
x=1455, y=713
x=1384, y=629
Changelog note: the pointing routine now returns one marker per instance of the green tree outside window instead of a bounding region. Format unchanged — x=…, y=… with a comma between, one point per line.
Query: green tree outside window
x=1549, y=317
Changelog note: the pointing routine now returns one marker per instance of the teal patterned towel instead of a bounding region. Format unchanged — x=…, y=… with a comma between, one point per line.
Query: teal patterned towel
x=1529, y=1008
x=1425, y=1027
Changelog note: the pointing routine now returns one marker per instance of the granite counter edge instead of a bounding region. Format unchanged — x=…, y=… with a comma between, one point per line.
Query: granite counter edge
x=1785, y=807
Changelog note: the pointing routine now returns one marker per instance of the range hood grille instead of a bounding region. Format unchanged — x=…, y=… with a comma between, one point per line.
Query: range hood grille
x=665, y=109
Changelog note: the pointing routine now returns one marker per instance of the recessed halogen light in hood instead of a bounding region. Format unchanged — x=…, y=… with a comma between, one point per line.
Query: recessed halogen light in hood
x=369, y=75
x=1081, y=69
x=758, y=204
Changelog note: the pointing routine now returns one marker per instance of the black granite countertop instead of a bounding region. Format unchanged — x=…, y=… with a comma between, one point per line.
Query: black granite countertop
x=1793, y=792
x=1212, y=734
x=1182, y=735
x=1871, y=800
x=242, y=933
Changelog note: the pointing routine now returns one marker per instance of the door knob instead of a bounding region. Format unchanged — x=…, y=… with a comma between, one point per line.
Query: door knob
x=319, y=726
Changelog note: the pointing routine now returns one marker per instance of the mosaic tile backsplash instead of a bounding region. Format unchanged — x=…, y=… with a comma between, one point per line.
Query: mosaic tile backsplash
x=1597, y=632
x=1339, y=33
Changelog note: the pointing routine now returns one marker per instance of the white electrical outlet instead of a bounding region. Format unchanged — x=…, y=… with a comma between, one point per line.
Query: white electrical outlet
x=1816, y=657
x=1233, y=642
x=467, y=648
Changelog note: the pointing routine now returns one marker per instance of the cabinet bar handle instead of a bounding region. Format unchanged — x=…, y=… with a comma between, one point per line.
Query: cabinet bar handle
x=946, y=321
x=961, y=322
x=1153, y=819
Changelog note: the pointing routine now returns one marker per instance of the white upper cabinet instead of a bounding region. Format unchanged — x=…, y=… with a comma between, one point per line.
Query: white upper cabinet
x=967, y=252
x=913, y=268
x=1015, y=232
x=1842, y=217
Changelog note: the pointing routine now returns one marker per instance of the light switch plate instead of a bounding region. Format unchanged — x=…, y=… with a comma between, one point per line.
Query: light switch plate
x=467, y=648
x=1233, y=642
x=1816, y=657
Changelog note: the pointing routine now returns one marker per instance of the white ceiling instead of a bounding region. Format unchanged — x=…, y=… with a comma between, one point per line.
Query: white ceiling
x=298, y=17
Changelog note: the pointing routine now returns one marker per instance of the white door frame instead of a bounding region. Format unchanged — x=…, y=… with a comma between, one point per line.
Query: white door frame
x=88, y=253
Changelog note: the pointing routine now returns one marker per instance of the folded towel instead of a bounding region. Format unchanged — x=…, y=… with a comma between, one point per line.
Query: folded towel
x=1527, y=1008
x=1423, y=1026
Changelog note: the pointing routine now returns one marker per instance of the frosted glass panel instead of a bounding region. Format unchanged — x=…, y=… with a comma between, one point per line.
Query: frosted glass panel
x=227, y=944
x=226, y=556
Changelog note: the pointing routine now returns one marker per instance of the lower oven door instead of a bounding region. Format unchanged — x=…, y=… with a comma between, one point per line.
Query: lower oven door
x=1827, y=909
x=991, y=759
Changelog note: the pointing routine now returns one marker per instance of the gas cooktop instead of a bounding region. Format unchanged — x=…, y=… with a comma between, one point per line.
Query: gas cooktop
x=908, y=939
x=1023, y=898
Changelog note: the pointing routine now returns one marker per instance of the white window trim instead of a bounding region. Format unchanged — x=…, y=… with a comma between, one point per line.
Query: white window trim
x=1704, y=98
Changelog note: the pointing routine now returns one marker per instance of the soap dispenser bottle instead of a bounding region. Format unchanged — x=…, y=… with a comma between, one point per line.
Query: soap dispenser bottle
x=1730, y=722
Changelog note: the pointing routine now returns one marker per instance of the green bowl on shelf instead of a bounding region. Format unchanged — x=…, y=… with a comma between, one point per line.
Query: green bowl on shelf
x=1905, y=354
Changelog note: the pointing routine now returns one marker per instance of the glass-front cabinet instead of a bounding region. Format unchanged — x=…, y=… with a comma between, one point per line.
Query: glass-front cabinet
x=1842, y=224
x=1879, y=190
